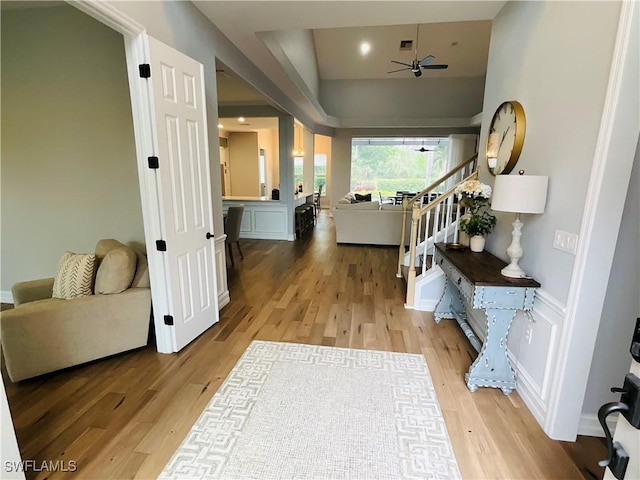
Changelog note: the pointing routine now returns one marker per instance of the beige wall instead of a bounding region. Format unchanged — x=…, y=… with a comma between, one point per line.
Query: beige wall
x=243, y=163
x=69, y=173
x=323, y=146
x=268, y=140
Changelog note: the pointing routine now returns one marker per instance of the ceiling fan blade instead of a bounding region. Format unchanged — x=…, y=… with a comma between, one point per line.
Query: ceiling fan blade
x=400, y=70
x=434, y=67
x=401, y=63
x=426, y=60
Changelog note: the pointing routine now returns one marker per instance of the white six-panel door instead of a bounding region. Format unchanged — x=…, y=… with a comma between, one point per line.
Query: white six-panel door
x=184, y=191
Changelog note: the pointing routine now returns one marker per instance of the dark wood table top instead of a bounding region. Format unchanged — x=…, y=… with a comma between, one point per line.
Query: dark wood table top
x=482, y=268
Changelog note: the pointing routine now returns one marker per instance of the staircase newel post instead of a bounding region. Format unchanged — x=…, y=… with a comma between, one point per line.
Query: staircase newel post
x=411, y=277
x=401, y=251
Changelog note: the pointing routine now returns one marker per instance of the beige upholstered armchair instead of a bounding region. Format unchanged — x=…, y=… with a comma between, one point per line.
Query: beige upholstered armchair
x=43, y=334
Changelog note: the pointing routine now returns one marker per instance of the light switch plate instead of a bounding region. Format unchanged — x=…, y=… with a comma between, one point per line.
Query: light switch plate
x=565, y=241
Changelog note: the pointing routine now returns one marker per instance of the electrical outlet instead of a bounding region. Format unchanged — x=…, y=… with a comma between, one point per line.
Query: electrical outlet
x=528, y=331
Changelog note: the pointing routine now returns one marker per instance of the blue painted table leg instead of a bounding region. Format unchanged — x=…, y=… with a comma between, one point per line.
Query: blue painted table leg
x=492, y=368
x=449, y=302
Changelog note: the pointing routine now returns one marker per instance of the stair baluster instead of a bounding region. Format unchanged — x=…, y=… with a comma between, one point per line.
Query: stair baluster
x=440, y=213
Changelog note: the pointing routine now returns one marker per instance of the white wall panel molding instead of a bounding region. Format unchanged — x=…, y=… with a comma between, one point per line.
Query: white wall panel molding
x=263, y=220
x=221, y=275
x=529, y=391
x=534, y=359
x=552, y=311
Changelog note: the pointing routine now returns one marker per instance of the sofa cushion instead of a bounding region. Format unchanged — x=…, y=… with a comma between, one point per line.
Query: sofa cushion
x=75, y=275
x=104, y=246
x=141, y=278
x=116, y=271
x=358, y=206
x=390, y=207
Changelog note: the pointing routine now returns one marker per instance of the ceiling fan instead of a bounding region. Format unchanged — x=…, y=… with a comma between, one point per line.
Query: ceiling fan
x=416, y=66
x=432, y=148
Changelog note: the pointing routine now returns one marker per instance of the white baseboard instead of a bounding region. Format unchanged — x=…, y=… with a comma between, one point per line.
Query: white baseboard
x=590, y=426
x=426, y=305
x=223, y=299
x=6, y=296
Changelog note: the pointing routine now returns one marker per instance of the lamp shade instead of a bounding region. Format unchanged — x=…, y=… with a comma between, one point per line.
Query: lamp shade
x=520, y=193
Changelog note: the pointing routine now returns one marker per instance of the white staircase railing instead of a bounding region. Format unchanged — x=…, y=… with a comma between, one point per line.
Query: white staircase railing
x=434, y=218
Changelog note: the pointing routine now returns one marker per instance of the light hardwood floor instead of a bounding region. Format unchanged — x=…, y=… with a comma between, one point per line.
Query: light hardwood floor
x=123, y=417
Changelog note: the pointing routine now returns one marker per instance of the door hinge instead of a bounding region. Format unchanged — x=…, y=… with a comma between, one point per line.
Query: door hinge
x=145, y=70
x=161, y=245
x=153, y=162
x=168, y=320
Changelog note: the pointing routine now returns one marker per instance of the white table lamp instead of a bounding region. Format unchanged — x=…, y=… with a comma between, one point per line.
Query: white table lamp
x=518, y=194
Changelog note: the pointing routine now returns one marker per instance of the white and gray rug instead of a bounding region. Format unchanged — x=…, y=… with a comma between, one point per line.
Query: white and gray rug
x=310, y=412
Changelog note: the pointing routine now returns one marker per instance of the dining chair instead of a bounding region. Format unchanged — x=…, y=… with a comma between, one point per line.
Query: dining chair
x=232, y=229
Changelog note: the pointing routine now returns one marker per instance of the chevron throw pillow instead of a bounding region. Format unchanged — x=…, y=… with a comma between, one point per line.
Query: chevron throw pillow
x=75, y=275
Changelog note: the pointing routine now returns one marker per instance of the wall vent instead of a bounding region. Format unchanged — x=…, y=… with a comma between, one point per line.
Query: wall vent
x=406, y=44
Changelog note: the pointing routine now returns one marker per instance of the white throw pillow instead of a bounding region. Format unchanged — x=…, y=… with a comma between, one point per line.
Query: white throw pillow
x=75, y=275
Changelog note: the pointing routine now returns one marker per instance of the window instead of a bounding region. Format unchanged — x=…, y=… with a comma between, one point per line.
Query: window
x=389, y=165
x=320, y=172
x=298, y=172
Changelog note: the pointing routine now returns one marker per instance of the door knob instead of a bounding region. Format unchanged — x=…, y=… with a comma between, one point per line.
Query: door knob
x=209, y=235
x=617, y=458
x=629, y=407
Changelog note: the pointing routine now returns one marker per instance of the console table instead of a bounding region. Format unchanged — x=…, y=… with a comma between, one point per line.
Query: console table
x=476, y=277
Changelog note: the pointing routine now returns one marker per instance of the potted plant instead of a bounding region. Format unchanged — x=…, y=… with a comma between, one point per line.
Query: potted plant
x=477, y=221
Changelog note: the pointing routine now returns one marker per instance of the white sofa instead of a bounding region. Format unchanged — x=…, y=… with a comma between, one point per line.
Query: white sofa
x=369, y=222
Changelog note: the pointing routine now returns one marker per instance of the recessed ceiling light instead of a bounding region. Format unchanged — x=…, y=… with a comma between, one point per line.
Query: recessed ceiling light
x=220, y=125
x=365, y=48
x=241, y=119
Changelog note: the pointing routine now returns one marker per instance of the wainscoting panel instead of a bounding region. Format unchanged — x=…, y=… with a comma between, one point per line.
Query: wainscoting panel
x=533, y=355
x=269, y=221
x=262, y=220
x=221, y=271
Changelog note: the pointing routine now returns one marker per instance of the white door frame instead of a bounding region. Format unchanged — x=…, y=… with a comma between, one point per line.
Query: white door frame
x=136, y=48
x=614, y=155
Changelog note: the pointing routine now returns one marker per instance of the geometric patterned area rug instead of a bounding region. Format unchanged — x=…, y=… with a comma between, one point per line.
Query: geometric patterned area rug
x=288, y=410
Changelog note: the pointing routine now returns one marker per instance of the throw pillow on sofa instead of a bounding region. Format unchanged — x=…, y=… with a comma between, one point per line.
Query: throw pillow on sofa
x=116, y=271
x=74, y=277
x=363, y=198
